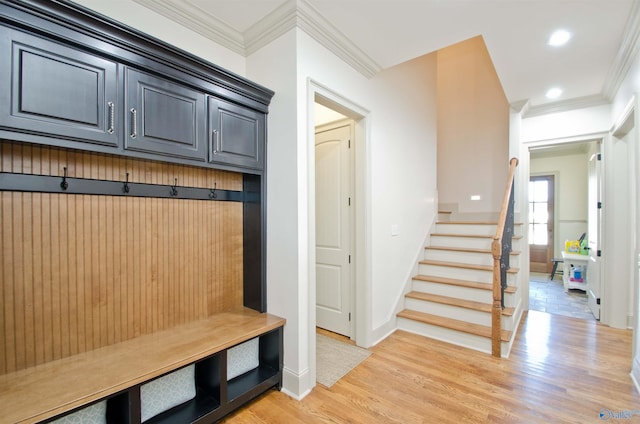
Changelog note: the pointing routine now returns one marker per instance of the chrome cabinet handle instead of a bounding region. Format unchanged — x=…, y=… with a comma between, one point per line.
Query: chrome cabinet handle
x=112, y=118
x=213, y=144
x=134, y=122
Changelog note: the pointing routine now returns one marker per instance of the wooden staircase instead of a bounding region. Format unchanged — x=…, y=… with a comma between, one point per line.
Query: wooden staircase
x=451, y=297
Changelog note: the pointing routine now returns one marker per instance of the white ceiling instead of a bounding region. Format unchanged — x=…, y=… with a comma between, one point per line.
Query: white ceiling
x=373, y=35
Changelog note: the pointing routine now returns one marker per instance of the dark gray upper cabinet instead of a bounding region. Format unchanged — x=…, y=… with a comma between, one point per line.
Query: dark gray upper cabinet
x=48, y=88
x=74, y=79
x=164, y=117
x=236, y=135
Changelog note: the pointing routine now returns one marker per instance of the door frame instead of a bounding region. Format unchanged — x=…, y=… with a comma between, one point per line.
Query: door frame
x=525, y=154
x=362, y=314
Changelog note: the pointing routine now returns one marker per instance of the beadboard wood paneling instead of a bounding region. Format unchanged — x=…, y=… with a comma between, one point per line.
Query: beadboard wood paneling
x=80, y=272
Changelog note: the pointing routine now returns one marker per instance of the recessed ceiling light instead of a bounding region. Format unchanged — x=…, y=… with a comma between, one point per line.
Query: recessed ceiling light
x=554, y=93
x=559, y=38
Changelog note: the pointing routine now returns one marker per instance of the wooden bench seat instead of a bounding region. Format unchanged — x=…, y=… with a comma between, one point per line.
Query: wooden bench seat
x=47, y=390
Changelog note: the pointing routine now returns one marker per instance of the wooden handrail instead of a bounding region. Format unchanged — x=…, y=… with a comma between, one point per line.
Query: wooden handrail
x=496, y=251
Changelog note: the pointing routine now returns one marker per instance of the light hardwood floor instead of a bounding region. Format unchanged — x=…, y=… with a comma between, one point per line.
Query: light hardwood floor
x=561, y=370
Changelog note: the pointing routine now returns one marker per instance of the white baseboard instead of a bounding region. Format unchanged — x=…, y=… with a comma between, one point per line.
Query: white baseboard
x=384, y=331
x=296, y=385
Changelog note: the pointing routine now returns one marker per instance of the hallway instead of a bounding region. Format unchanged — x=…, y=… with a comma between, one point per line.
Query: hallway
x=549, y=296
x=556, y=373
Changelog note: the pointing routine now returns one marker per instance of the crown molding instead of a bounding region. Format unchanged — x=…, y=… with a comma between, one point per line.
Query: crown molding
x=325, y=33
x=627, y=54
x=194, y=18
x=289, y=15
x=275, y=24
x=566, y=105
x=521, y=107
x=300, y=14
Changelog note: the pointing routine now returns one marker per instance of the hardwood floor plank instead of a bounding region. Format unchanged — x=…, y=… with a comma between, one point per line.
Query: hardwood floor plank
x=561, y=370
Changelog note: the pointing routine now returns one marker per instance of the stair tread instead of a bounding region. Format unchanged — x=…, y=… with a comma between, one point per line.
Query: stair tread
x=453, y=324
x=469, y=235
x=463, y=265
x=462, y=283
x=465, y=249
x=453, y=301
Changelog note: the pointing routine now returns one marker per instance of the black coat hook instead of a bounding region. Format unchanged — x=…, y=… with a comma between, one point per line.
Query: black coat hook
x=174, y=190
x=212, y=192
x=125, y=188
x=64, y=184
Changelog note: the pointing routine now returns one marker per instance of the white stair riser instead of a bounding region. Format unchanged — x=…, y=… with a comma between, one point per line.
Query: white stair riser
x=475, y=229
x=455, y=312
x=486, y=230
x=448, y=311
x=474, y=258
x=458, y=338
x=446, y=335
x=460, y=292
x=480, y=276
x=460, y=242
x=468, y=242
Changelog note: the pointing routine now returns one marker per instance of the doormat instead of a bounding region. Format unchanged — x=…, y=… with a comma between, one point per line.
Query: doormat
x=335, y=359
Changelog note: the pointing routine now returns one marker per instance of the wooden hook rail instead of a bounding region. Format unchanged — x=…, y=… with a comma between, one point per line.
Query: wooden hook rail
x=56, y=184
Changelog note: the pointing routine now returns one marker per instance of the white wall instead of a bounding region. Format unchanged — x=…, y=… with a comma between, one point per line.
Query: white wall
x=627, y=99
x=399, y=147
x=556, y=126
x=149, y=22
x=286, y=295
x=400, y=183
x=473, y=132
x=617, y=286
x=403, y=167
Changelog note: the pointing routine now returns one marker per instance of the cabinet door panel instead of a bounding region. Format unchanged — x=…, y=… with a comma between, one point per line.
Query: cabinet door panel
x=237, y=135
x=56, y=90
x=164, y=117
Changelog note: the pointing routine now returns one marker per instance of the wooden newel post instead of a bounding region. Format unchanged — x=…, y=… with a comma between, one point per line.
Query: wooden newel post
x=496, y=310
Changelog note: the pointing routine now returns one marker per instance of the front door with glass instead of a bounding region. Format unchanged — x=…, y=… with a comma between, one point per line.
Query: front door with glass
x=540, y=223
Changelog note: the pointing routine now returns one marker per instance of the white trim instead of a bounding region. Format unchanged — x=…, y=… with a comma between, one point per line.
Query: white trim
x=294, y=383
x=525, y=162
x=564, y=105
x=289, y=15
x=362, y=254
x=619, y=128
x=626, y=55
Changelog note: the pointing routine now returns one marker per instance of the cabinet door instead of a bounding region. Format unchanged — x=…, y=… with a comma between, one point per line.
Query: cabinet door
x=51, y=89
x=164, y=117
x=237, y=135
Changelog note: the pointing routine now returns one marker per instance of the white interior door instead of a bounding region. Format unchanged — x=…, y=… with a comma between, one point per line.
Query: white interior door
x=593, y=233
x=333, y=230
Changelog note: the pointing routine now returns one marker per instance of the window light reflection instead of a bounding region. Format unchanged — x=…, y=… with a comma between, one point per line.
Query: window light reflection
x=537, y=338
